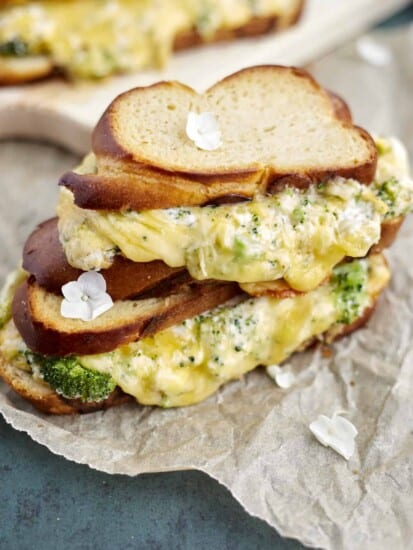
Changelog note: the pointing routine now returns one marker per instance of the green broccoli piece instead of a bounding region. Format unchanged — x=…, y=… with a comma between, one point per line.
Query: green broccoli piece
x=388, y=193
x=349, y=282
x=382, y=148
x=14, y=48
x=70, y=379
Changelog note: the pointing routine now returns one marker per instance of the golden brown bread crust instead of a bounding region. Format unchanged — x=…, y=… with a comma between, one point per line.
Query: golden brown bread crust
x=20, y=70
x=46, y=400
x=389, y=230
x=255, y=27
x=44, y=335
x=184, y=40
x=341, y=108
x=105, y=144
x=138, y=186
x=154, y=188
x=44, y=258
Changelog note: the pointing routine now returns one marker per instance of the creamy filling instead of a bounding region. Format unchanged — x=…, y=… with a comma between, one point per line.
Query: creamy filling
x=188, y=362
x=295, y=235
x=93, y=38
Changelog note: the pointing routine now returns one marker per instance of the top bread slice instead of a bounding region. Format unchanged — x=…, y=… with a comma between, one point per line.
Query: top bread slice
x=271, y=118
x=278, y=126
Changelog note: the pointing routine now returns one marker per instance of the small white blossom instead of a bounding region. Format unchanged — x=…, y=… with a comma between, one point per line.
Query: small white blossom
x=373, y=52
x=336, y=432
x=203, y=130
x=282, y=376
x=85, y=298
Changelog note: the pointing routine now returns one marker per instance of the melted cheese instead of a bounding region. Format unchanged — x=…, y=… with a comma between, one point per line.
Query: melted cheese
x=93, y=38
x=295, y=235
x=188, y=362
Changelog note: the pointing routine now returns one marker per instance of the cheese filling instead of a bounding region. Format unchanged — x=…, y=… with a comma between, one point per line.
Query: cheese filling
x=93, y=38
x=295, y=235
x=188, y=362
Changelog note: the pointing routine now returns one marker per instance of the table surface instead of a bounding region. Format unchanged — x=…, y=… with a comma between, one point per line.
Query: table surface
x=48, y=501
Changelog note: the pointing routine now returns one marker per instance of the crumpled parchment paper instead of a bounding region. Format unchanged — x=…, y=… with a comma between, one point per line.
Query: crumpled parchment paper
x=253, y=437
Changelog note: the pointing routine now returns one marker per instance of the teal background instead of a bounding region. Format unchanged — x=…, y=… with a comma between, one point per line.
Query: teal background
x=47, y=502
x=50, y=503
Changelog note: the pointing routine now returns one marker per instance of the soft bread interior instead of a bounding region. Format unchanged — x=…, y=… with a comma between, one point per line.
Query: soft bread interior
x=262, y=128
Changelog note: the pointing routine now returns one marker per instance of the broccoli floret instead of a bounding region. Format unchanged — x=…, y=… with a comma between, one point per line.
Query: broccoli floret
x=349, y=283
x=382, y=148
x=388, y=192
x=70, y=379
x=14, y=48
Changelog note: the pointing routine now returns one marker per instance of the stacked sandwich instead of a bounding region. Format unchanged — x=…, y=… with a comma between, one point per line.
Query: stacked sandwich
x=95, y=38
x=204, y=235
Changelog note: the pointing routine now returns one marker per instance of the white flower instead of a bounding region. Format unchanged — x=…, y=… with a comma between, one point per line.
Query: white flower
x=85, y=298
x=336, y=432
x=203, y=129
x=374, y=53
x=282, y=376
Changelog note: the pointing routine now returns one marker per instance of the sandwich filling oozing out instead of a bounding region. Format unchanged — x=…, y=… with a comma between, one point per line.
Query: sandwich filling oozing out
x=92, y=39
x=188, y=362
x=295, y=235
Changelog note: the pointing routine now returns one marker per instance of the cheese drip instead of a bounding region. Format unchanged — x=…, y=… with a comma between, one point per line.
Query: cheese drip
x=93, y=38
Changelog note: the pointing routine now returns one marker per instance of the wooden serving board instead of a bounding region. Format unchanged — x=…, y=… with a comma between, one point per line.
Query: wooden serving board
x=65, y=113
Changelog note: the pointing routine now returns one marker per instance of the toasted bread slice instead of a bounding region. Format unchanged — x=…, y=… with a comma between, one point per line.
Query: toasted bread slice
x=43, y=257
x=135, y=169
x=255, y=27
x=282, y=109
x=36, y=314
x=46, y=400
x=18, y=70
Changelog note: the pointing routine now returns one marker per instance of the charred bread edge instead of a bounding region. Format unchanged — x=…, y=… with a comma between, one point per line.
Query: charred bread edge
x=42, y=337
x=44, y=258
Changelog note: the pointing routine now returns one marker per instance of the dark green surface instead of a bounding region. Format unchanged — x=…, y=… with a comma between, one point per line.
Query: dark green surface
x=400, y=18
x=49, y=503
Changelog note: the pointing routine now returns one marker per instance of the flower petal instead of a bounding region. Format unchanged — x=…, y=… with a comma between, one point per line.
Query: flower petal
x=100, y=305
x=76, y=310
x=203, y=130
x=72, y=291
x=92, y=283
x=192, y=125
x=282, y=376
x=336, y=432
x=373, y=52
x=209, y=142
x=207, y=123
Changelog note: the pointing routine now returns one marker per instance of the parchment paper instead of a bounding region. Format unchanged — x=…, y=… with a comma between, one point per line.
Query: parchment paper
x=252, y=436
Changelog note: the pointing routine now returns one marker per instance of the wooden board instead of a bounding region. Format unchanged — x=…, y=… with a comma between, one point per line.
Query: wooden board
x=65, y=113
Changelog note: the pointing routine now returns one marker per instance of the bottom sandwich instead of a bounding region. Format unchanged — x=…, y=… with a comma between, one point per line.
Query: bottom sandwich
x=184, y=364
